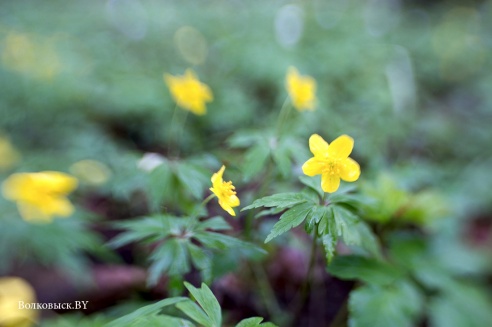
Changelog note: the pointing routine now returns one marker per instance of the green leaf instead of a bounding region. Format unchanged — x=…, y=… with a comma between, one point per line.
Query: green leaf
x=254, y=322
x=368, y=241
x=192, y=178
x=215, y=223
x=365, y=269
x=459, y=305
x=281, y=157
x=193, y=310
x=330, y=245
x=222, y=242
x=327, y=223
x=281, y=201
x=314, y=217
x=149, y=228
x=170, y=257
x=290, y=219
x=160, y=185
x=397, y=305
x=255, y=159
x=148, y=310
x=312, y=182
x=208, y=302
x=346, y=223
x=202, y=261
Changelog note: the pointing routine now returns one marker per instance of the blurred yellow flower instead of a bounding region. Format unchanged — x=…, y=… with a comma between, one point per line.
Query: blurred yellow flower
x=301, y=89
x=188, y=92
x=8, y=155
x=12, y=291
x=40, y=196
x=332, y=161
x=224, y=192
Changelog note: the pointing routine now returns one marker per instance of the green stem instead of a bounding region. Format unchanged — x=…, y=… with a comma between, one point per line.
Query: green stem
x=171, y=137
x=207, y=200
x=282, y=117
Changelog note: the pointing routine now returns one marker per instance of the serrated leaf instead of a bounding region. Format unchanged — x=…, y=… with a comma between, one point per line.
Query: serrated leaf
x=255, y=159
x=171, y=257
x=330, y=244
x=396, y=305
x=314, y=217
x=281, y=201
x=208, y=302
x=290, y=219
x=345, y=222
x=193, y=310
x=365, y=269
x=254, y=322
x=130, y=319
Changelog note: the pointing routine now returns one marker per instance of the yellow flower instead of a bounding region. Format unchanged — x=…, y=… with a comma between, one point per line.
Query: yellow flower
x=224, y=192
x=188, y=92
x=40, y=196
x=12, y=291
x=301, y=89
x=332, y=162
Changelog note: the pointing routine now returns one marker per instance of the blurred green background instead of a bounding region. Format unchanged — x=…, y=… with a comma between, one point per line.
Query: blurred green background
x=410, y=81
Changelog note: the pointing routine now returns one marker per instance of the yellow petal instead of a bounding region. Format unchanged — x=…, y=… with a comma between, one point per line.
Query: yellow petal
x=349, y=170
x=217, y=177
x=227, y=208
x=56, y=182
x=330, y=183
x=318, y=146
x=312, y=167
x=14, y=187
x=33, y=213
x=341, y=147
x=233, y=201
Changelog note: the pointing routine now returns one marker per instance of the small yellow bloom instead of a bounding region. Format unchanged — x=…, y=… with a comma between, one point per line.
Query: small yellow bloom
x=12, y=291
x=332, y=162
x=188, y=92
x=224, y=192
x=301, y=89
x=40, y=196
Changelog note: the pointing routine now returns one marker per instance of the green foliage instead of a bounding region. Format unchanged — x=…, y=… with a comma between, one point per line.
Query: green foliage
x=395, y=305
x=254, y=322
x=172, y=239
x=202, y=308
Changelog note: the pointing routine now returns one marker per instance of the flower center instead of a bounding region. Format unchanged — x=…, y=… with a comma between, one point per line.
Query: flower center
x=227, y=189
x=331, y=166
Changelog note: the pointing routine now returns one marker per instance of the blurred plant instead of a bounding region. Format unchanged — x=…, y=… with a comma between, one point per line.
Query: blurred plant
x=13, y=292
x=9, y=156
x=91, y=172
x=188, y=92
x=201, y=309
x=40, y=196
x=395, y=289
x=174, y=238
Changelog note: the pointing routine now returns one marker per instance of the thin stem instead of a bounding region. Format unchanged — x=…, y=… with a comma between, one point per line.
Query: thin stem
x=268, y=295
x=171, y=136
x=207, y=199
x=282, y=117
